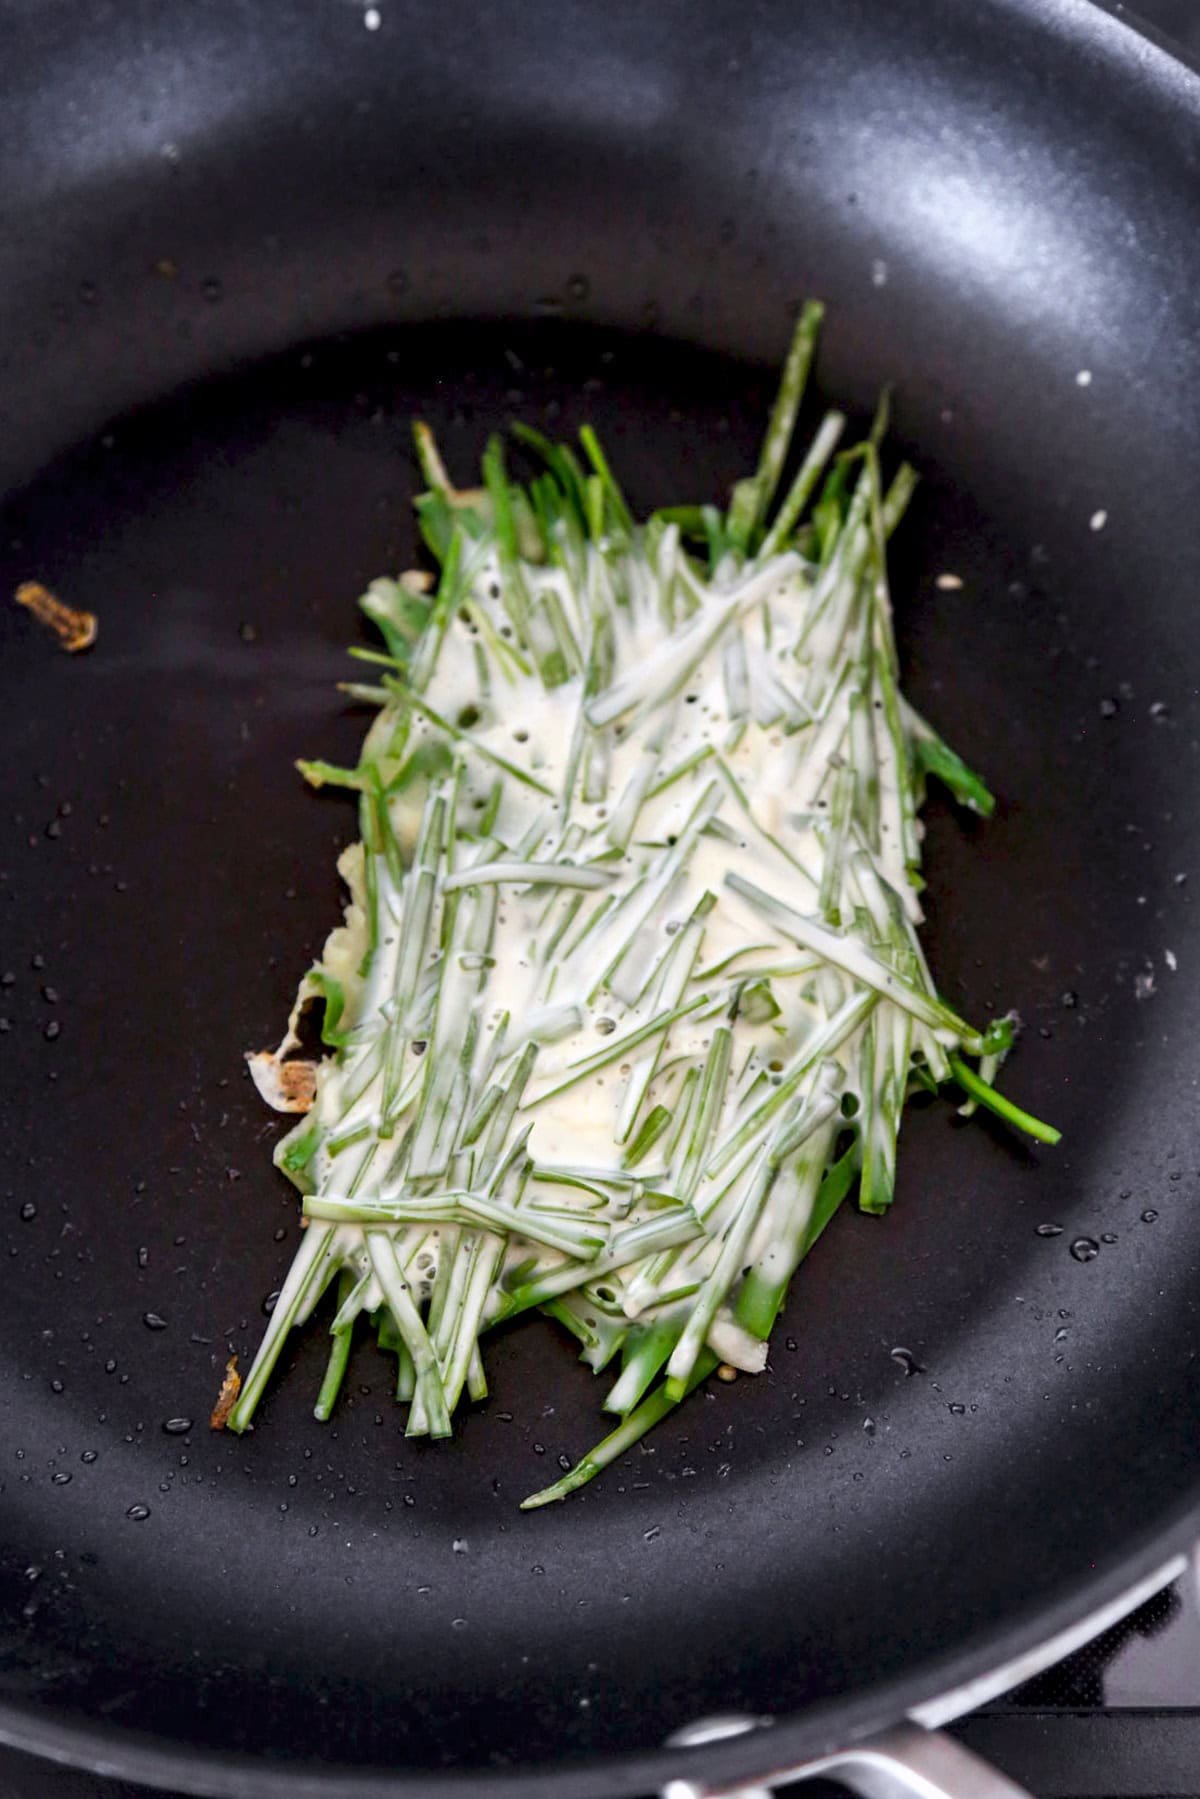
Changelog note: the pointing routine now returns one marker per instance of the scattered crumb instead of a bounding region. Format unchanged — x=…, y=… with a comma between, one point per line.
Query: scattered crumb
x=725, y=1372
x=949, y=583
x=372, y=18
x=231, y=1386
x=74, y=630
x=1171, y=960
x=1084, y=378
x=287, y=1086
x=1143, y=984
x=1098, y=520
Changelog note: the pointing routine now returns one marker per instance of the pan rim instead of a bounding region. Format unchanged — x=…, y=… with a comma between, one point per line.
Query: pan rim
x=832, y=1725
x=116, y=1753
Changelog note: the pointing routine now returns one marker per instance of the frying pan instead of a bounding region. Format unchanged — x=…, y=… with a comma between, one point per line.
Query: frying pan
x=239, y=248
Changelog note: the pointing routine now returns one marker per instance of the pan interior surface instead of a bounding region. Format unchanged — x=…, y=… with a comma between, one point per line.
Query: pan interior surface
x=857, y=1525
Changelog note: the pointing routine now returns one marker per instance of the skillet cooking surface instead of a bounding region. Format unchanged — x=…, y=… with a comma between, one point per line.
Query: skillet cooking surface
x=166, y=876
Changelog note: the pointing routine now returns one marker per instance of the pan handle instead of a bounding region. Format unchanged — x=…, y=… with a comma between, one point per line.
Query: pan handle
x=905, y=1763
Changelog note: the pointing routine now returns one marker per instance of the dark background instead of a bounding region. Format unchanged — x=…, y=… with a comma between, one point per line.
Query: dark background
x=21, y=1778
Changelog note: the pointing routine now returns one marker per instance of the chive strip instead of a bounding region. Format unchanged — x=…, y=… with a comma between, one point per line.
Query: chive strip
x=849, y=954
x=543, y=874
x=995, y=1102
x=618, y=1442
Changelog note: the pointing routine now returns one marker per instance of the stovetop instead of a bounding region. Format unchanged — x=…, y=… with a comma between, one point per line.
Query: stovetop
x=1118, y=1719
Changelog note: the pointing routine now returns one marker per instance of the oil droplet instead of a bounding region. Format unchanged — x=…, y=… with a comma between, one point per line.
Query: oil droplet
x=143, y=1257
x=270, y=1302
x=1148, y=1216
x=88, y=1456
x=139, y=1513
x=177, y=1427
x=1085, y=1249
x=460, y=1546
x=958, y=1410
x=648, y=1536
x=1108, y=1236
x=1049, y=1230
x=153, y=1322
x=1061, y=1334
x=907, y=1360
x=28, y=1211
x=62, y=1478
